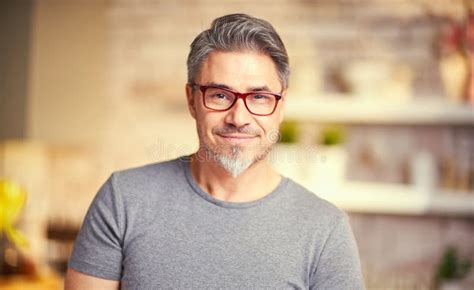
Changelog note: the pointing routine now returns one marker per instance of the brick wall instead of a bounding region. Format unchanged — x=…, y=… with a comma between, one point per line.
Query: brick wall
x=147, y=43
x=148, y=46
x=403, y=252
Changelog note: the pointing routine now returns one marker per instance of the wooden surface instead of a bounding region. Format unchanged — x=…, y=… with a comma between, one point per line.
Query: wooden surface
x=49, y=281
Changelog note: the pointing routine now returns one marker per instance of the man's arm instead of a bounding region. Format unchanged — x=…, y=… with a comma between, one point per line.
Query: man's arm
x=96, y=259
x=78, y=281
x=339, y=265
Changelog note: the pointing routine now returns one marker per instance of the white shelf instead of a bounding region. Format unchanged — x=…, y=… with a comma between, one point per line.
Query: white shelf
x=397, y=199
x=349, y=109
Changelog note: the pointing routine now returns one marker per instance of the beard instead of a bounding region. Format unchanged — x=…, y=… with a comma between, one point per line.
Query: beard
x=233, y=158
x=233, y=162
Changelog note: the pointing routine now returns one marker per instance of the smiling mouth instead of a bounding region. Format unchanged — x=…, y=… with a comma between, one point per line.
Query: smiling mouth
x=237, y=138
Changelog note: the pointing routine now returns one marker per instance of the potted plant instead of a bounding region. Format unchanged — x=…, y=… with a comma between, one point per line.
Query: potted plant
x=327, y=167
x=451, y=271
x=286, y=155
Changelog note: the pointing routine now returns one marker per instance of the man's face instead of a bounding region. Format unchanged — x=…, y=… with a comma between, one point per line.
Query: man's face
x=236, y=138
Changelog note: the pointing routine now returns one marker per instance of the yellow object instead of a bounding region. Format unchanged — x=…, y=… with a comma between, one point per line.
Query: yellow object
x=454, y=73
x=12, y=200
x=47, y=280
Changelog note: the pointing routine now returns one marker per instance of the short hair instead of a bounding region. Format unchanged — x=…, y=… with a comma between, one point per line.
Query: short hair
x=239, y=32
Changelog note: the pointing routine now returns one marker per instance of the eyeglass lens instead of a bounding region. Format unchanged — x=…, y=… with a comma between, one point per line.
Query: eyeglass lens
x=257, y=103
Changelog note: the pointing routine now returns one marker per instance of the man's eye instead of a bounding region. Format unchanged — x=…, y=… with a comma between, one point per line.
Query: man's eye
x=261, y=97
x=220, y=96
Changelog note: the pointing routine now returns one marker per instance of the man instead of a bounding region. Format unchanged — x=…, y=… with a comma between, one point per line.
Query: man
x=222, y=217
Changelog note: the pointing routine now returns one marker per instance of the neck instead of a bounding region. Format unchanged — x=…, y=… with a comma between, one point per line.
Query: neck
x=253, y=183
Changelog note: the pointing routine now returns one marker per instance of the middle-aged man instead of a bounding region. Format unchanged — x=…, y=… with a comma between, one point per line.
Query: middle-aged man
x=222, y=217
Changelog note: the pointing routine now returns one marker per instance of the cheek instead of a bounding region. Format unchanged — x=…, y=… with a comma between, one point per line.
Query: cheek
x=270, y=129
x=206, y=122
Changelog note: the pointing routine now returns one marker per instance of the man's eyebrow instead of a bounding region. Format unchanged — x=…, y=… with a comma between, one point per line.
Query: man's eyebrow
x=259, y=89
x=263, y=88
x=218, y=85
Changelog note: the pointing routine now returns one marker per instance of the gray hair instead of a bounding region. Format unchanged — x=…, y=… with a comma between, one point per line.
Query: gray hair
x=236, y=32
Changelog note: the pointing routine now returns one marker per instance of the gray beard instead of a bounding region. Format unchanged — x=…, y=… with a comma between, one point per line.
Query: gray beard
x=234, y=164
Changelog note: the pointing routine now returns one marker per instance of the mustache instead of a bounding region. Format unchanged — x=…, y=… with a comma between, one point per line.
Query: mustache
x=230, y=129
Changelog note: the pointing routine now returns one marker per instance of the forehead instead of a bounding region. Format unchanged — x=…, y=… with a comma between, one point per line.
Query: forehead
x=240, y=70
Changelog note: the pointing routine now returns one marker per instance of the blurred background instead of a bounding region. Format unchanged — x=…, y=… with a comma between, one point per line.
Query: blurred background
x=379, y=120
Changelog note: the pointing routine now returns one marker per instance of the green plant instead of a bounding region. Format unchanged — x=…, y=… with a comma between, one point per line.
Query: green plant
x=451, y=267
x=288, y=132
x=332, y=135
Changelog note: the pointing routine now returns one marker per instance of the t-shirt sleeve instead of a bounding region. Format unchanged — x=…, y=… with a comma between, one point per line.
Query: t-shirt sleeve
x=338, y=265
x=98, y=247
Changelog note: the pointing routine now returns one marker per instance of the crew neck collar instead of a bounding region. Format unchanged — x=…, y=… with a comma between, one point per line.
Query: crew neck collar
x=185, y=164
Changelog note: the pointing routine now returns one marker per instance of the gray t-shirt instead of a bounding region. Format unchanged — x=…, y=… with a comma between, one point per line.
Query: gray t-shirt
x=153, y=227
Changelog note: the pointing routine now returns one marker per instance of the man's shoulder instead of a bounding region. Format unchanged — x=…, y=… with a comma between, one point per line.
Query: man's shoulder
x=151, y=176
x=154, y=170
x=311, y=206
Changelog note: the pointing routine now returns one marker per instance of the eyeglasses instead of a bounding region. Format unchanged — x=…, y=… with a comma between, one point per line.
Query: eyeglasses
x=220, y=99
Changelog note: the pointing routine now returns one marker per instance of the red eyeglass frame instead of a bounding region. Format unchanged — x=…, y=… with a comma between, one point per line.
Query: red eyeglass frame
x=238, y=95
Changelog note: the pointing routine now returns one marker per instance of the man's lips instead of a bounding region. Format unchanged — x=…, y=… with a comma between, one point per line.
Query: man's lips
x=237, y=138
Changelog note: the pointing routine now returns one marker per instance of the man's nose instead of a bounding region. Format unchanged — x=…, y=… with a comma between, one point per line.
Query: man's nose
x=238, y=115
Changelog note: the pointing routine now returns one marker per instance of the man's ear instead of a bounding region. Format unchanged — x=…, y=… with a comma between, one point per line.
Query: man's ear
x=190, y=99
